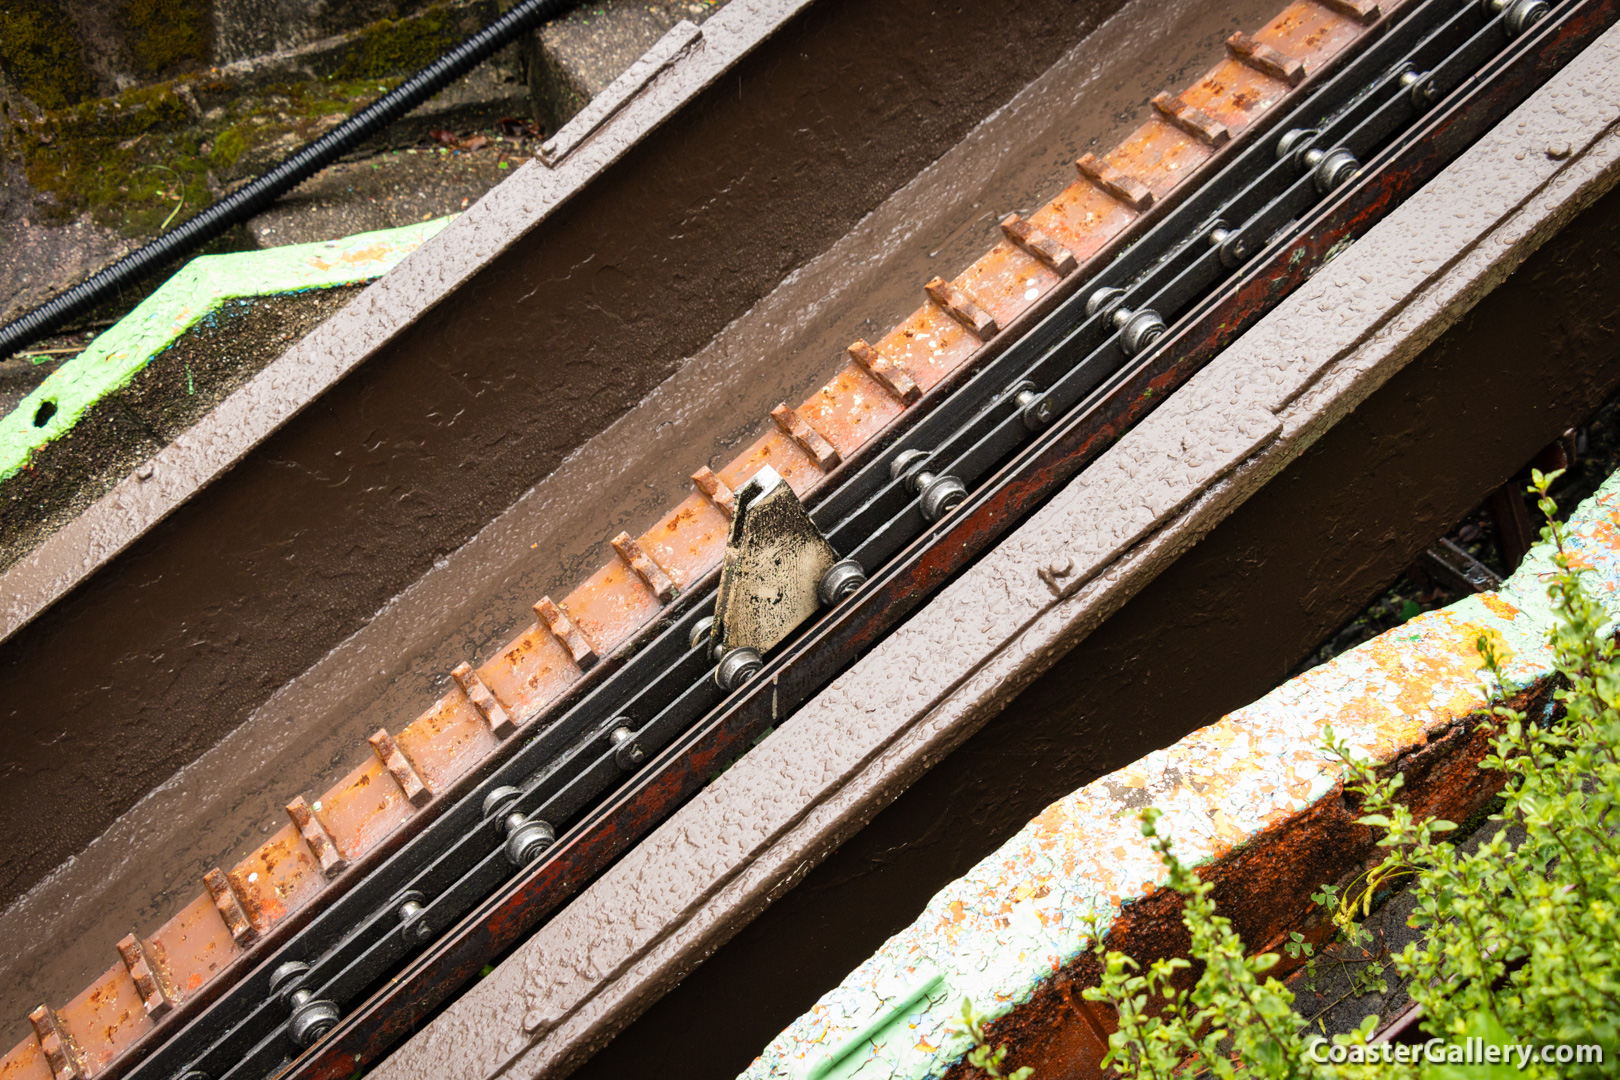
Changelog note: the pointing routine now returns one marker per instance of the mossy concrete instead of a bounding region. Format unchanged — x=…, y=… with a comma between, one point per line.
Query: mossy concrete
x=39, y=55
x=60, y=52
x=167, y=36
x=158, y=153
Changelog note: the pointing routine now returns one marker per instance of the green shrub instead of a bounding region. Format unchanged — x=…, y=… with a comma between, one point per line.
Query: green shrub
x=1521, y=945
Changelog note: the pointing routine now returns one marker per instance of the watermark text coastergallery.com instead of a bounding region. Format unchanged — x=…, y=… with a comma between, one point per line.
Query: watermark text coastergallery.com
x=1470, y=1051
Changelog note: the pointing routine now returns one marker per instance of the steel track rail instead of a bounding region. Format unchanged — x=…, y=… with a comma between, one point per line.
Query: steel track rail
x=458, y=865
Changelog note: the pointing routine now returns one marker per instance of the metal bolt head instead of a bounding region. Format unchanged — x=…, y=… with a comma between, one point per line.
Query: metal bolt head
x=627, y=753
x=1142, y=329
x=413, y=928
x=1517, y=15
x=499, y=799
x=1333, y=169
x=311, y=1020
x=940, y=496
x=702, y=631
x=1034, y=409
x=1231, y=246
x=1294, y=139
x=1103, y=299
x=907, y=462
x=288, y=976
x=527, y=841
x=841, y=579
x=737, y=667
x=1420, y=87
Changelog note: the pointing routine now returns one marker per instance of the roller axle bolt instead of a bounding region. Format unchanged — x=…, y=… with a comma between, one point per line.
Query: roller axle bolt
x=627, y=753
x=413, y=928
x=1331, y=168
x=1517, y=15
x=312, y=1017
x=936, y=495
x=1034, y=409
x=841, y=580
x=525, y=839
x=1420, y=88
x=1138, y=329
x=1104, y=299
x=1293, y=139
x=736, y=667
x=1231, y=245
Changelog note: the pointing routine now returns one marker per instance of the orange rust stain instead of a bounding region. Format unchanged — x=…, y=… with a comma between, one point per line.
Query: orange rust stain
x=107, y=1017
x=25, y=1062
x=1051, y=820
x=365, y=254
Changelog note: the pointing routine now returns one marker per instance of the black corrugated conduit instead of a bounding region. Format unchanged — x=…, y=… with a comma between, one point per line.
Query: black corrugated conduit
x=258, y=194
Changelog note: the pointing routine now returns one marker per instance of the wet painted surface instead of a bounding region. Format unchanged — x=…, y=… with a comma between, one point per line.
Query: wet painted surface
x=615, y=602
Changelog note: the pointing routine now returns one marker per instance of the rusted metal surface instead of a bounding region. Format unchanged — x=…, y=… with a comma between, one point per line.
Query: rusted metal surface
x=27, y=1061
x=103, y=1020
x=1191, y=119
x=651, y=574
x=961, y=307
x=230, y=907
x=500, y=724
x=1265, y=59
x=319, y=841
x=143, y=972
x=892, y=378
x=362, y=808
x=279, y=876
x=400, y=768
x=547, y=662
x=1115, y=181
x=62, y=1057
x=811, y=441
x=563, y=629
x=193, y=947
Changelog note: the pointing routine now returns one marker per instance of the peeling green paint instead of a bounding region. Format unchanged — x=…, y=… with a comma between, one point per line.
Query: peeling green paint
x=113, y=359
x=1337, y=249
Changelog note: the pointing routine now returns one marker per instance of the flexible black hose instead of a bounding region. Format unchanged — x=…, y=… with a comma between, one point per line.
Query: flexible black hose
x=261, y=192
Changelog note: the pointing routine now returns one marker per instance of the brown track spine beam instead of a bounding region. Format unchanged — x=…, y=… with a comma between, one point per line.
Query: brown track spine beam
x=517, y=684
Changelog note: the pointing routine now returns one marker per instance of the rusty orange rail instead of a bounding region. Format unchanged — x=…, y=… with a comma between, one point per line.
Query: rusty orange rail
x=404, y=772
